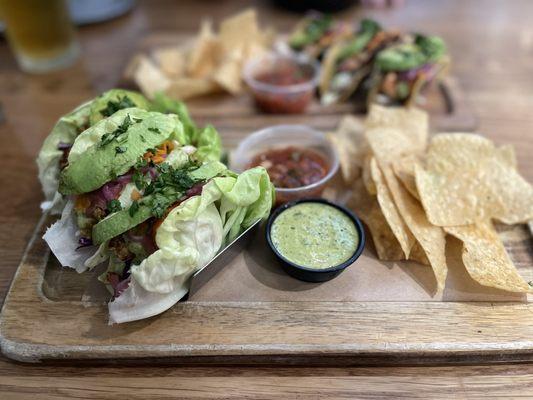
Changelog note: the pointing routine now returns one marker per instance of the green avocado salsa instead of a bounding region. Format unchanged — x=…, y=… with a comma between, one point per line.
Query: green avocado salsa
x=314, y=235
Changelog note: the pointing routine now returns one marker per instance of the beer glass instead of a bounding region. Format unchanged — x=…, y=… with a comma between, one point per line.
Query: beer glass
x=40, y=33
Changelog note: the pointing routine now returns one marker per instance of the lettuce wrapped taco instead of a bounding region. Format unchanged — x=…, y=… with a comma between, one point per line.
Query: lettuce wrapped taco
x=402, y=70
x=151, y=205
x=54, y=152
x=316, y=33
x=347, y=64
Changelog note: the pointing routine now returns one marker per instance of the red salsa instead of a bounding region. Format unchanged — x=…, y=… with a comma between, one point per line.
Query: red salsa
x=280, y=97
x=292, y=167
x=284, y=74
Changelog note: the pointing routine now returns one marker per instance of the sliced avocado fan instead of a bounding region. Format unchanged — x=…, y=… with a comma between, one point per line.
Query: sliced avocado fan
x=117, y=151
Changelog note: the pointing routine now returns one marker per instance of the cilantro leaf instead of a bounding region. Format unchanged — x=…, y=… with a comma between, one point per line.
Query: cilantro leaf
x=141, y=163
x=117, y=133
x=113, y=106
x=120, y=149
x=133, y=208
x=159, y=205
x=139, y=180
x=113, y=206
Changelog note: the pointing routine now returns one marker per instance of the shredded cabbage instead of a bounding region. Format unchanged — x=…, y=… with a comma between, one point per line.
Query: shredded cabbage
x=62, y=238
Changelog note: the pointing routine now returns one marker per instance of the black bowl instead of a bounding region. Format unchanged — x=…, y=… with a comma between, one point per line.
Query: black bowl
x=311, y=274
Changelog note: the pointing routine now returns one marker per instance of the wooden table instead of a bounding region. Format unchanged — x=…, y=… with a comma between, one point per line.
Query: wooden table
x=492, y=47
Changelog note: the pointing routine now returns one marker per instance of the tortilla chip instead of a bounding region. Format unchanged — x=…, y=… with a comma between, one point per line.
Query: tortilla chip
x=228, y=74
x=404, y=169
x=150, y=78
x=206, y=53
x=417, y=254
x=254, y=50
x=328, y=67
x=408, y=133
x=267, y=37
x=430, y=237
x=486, y=259
x=367, y=208
x=351, y=145
x=367, y=176
x=467, y=180
x=390, y=212
x=131, y=68
x=185, y=88
x=507, y=155
x=330, y=193
x=171, y=60
x=239, y=31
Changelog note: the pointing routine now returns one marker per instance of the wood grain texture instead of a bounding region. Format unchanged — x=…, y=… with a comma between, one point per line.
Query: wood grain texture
x=103, y=382
x=492, y=47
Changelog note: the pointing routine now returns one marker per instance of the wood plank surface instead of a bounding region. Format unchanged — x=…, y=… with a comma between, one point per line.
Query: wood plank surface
x=492, y=47
x=104, y=382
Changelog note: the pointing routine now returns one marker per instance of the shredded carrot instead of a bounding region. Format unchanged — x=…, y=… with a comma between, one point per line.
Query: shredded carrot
x=148, y=155
x=135, y=195
x=160, y=153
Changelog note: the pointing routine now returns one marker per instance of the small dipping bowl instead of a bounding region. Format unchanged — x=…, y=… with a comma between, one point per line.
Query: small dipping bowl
x=316, y=274
x=285, y=136
x=282, y=84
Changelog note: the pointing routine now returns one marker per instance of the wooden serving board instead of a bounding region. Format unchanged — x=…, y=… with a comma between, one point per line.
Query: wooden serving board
x=251, y=312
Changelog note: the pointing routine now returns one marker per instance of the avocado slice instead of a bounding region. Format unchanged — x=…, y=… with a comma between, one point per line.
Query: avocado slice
x=113, y=100
x=92, y=136
x=121, y=221
x=112, y=157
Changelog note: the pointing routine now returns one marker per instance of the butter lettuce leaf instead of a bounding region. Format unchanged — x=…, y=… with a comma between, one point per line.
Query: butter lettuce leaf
x=187, y=240
x=252, y=192
x=209, y=144
x=189, y=237
x=164, y=104
x=64, y=132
